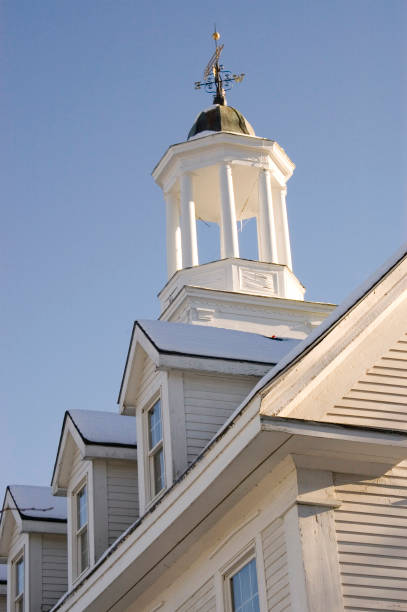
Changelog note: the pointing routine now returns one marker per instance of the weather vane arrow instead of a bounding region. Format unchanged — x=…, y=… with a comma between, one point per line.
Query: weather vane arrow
x=216, y=80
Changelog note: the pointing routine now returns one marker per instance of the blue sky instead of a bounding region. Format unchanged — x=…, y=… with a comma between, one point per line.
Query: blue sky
x=92, y=93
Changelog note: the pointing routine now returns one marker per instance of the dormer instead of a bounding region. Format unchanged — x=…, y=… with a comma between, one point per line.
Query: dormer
x=182, y=382
x=96, y=468
x=33, y=539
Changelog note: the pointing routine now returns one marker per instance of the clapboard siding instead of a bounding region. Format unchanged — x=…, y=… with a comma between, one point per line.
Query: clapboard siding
x=204, y=600
x=122, y=497
x=54, y=569
x=148, y=374
x=209, y=401
x=275, y=567
x=79, y=466
x=379, y=397
x=14, y=536
x=371, y=527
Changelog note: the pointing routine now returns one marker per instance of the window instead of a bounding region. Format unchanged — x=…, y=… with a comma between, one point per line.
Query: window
x=81, y=535
x=155, y=449
x=19, y=585
x=243, y=590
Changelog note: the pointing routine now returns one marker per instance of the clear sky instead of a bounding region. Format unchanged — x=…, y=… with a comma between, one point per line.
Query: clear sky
x=92, y=93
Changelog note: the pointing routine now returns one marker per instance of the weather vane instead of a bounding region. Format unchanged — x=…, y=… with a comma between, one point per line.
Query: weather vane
x=216, y=80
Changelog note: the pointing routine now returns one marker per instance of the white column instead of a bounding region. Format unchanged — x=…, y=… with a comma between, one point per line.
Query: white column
x=283, y=235
x=268, y=250
x=229, y=239
x=174, y=251
x=188, y=223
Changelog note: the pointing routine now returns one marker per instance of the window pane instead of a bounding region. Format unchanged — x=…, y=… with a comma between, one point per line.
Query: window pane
x=158, y=463
x=83, y=551
x=81, y=508
x=245, y=597
x=20, y=576
x=154, y=425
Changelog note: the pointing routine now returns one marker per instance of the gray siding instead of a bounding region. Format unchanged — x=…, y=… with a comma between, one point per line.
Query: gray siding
x=371, y=526
x=79, y=466
x=147, y=377
x=209, y=401
x=122, y=497
x=54, y=569
x=204, y=600
x=379, y=397
x=275, y=567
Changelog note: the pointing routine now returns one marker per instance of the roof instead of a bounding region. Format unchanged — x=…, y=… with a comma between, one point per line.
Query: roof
x=215, y=342
x=38, y=503
x=221, y=118
x=107, y=428
x=3, y=573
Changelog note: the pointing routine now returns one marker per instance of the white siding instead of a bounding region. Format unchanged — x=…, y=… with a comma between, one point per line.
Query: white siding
x=371, y=527
x=275, y=567
x=14, y=537
x=204, y=600
x=79, y=466
x=54, y=569
x=209, y=401
x=122, y=497
x=379, y=397
x=147, y=377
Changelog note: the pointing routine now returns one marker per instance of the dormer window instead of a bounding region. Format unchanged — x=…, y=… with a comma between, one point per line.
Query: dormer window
x=19, y=584
x=82, y=539
x=155, y=449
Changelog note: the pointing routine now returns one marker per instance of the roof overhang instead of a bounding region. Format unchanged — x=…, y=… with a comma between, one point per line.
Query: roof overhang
x=249, y=449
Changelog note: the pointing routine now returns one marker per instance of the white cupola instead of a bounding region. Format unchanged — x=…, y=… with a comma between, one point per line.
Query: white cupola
x=223, y=173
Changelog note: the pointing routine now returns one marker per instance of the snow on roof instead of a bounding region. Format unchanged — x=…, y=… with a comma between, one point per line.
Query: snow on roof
x=215, y=342
x=3, y=572
x=27, y=497
x=98, y=427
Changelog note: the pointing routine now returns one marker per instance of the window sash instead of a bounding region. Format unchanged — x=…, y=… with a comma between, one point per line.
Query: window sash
x=81, y=529
x=19, y=578
x=244, y=591
x=155, y=432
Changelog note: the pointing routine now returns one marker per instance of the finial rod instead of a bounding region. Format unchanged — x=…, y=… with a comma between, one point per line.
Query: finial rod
x=221, y=79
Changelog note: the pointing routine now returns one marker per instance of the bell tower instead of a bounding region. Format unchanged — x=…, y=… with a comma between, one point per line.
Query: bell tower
x=224, y=173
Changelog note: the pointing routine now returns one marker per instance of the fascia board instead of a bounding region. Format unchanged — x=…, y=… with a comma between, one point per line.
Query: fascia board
x=206, y=364
x=225, y=144
x=110, y=451
x=375, y=444
x=43, y=526
x=138, y=339
x=217, y=138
